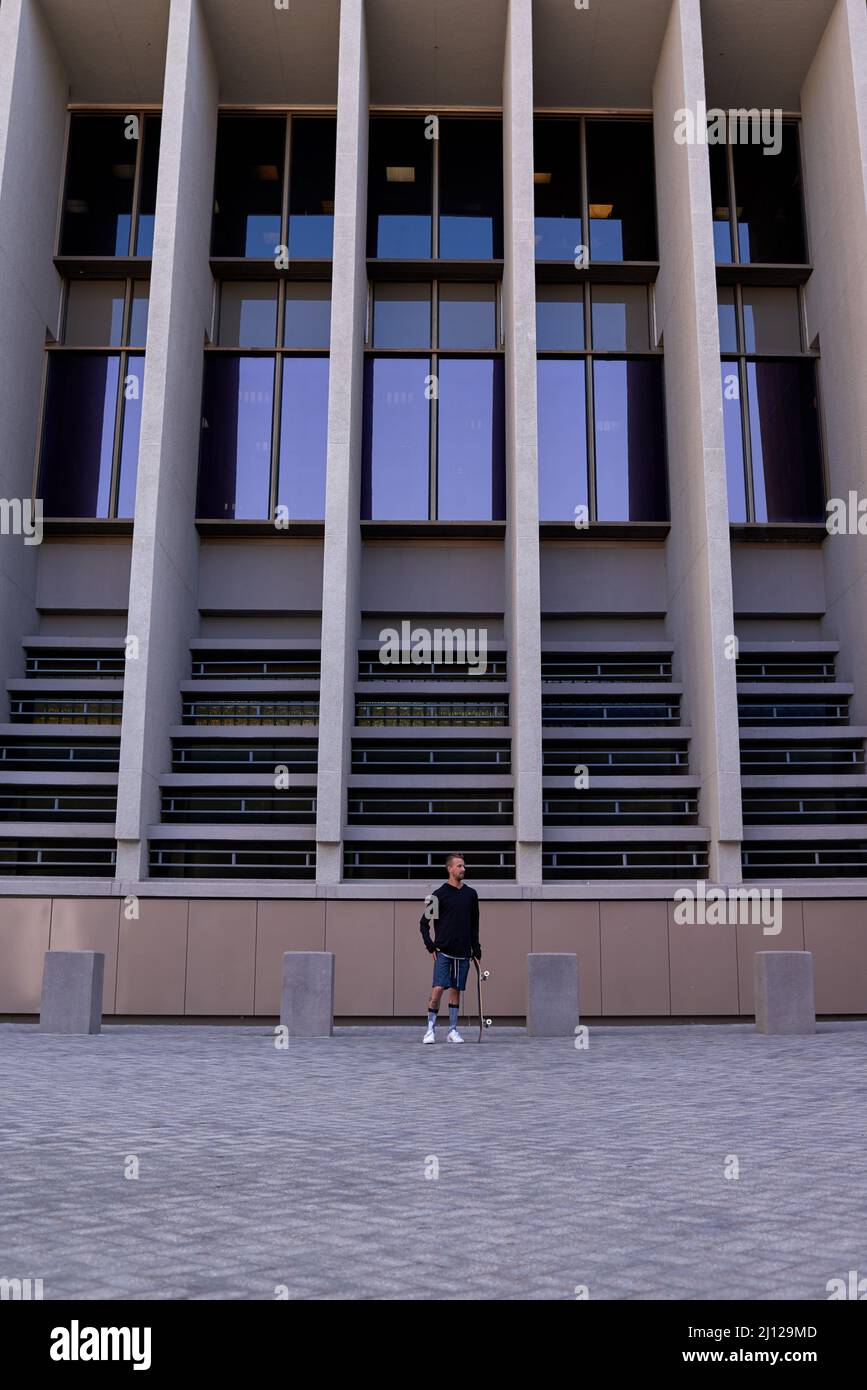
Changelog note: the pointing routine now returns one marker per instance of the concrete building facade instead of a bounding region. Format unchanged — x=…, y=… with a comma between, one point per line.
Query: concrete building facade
x=334, y=319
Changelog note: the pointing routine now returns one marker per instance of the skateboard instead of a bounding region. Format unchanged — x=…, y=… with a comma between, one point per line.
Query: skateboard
x=481, y=975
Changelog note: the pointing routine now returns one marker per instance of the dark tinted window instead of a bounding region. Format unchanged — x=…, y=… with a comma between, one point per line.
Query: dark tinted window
x=248, y=186
x=148, y=195
x=97, y=208
x=557, y=188
x=734, y=442
x=78, y=440
x=620, y=187
x=784, y=435
x=630, y=441
x=768, y=189
x=311, y=188
x=720, y=202
x=234, y=471
x=400, y=189
x=471, y=190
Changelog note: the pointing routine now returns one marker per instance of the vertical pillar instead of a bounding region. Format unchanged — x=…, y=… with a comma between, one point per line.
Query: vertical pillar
x=33, y=94
x=523, y=595
x=341, y=583
x=163, y=612
x=834, y=156
x=700, y=608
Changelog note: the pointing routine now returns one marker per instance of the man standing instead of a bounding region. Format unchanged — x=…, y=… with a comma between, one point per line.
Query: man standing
x=454, y=910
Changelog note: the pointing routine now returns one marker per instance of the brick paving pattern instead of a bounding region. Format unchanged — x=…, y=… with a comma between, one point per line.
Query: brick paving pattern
x=305, y=1167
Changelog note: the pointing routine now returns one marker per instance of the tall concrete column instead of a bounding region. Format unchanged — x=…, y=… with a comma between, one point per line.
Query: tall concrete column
x=163, y=611
x=341, y=582
x=523, y=595
x=834, y=154
x=33, y=94
x=700, y=609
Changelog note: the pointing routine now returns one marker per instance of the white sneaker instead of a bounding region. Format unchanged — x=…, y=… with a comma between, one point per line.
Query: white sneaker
x=430, y=1036
x=454, y=1036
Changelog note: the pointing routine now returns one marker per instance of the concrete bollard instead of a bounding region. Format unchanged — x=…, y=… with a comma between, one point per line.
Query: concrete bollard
x=785, y=1001
x=552, y=994
x=307, y=997
x=72, y=992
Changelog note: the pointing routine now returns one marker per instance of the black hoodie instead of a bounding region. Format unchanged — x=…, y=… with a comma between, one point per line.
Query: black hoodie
x=456, y=926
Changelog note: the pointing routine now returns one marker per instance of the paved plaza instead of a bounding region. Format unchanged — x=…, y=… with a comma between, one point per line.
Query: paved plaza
x=302, y=1172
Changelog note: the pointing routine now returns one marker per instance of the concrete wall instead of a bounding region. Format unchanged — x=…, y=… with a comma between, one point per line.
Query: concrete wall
x=196, y=958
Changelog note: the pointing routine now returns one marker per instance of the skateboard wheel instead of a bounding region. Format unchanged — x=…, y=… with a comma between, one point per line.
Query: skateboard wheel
x=488, y=1022
x=486, y=974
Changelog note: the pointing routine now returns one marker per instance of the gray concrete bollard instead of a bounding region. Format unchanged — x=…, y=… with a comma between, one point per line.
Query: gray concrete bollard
x=785, y=1001
x=552, y=994
x=72, y=992
x=307, y=996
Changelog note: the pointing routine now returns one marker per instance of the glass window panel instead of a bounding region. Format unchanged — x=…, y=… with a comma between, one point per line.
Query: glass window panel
x=559, y=318
x=144, y=238
x=728, y=319
x=557, y=188
x=619, y=318
x=307, y=320
x=248, y=186
x=784, y=439
x=138, y=321
x=396, y=440
x=562, y=438
x=771, y=320
x=770, y=207
x=620, y=190
x=401, y=316
x=720, y=202
x=311, y=187
x=94, y=313
x=471, y=190
x=734, y=441
x=303, y=437
x=248, y=314
x=470, y=453
x=97, y=208
x=468, y=316
x=133, y=391
x=400, y=189
x=235, y=463
x=78, y=439
x=630, y=441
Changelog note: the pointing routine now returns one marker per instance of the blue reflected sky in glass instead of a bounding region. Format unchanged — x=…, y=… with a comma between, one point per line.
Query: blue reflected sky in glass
x=307, y=320
x=630, y=472
x=78, y=442
x=756, y=451
x=234, y=477
x=303, y=437
x=471, y=190
x=261, y=234
x=559, y=318
x=722, y=241
x=727, y=317
x=619, y=318
x=400, y=189
x=468, y=316
x=138, y=319
x=466, y=238
x=562, y=438
x=397, y=440
x=401, y=316
x=133, y=392
x=311, y=236
x=734, y=442
x=403, y=236
x=557, y=238
x=469, y=452
x=606, y=239
x=248, y=315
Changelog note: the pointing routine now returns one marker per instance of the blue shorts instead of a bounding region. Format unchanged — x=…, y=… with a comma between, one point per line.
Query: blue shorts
x=450, y=972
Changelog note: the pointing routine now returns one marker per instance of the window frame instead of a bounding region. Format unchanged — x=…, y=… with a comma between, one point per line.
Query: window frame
x=141, y=112
x=734, y=234
x=434, y=354
x=589, y=354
